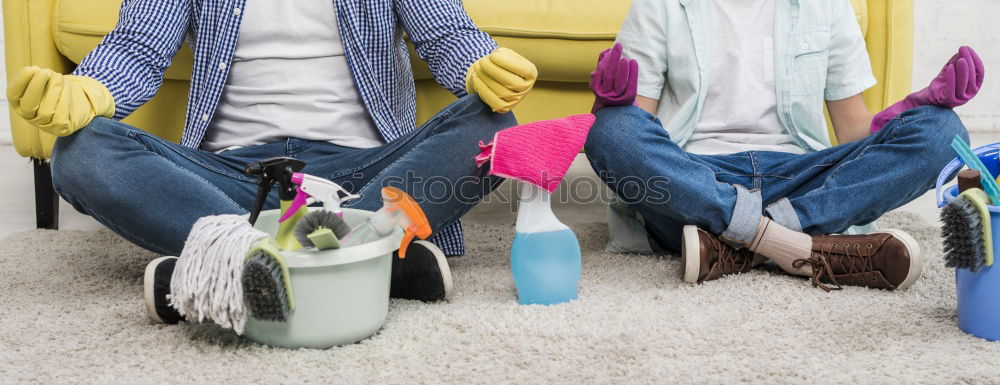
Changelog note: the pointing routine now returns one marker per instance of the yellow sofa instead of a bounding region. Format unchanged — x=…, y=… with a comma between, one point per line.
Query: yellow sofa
x=562, y=37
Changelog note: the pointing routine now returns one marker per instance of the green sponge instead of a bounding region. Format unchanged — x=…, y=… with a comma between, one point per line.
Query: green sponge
x=324, y=238
x=321, y=229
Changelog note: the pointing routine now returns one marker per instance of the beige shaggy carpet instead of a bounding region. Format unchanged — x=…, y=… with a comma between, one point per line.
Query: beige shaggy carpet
x=71, y=312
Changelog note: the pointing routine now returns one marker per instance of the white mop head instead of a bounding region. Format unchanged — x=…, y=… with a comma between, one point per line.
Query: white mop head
x=206, y=283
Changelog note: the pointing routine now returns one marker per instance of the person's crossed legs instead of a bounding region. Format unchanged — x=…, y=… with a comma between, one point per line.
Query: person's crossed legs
x=151, y=191
x=737, y=200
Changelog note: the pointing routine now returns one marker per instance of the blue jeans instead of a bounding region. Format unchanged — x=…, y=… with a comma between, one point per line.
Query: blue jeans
x=151, y=191
x=818, y=193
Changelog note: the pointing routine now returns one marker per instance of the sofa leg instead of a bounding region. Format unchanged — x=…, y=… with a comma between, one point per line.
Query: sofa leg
x=46, y=200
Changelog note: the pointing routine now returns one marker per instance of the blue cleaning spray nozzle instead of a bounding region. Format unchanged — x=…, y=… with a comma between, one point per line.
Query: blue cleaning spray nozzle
x=990, y=185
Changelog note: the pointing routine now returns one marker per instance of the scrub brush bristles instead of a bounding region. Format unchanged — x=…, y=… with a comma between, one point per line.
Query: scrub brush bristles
x=967, y=231
x=266, y=287
x=317, y=220
x=963, y=239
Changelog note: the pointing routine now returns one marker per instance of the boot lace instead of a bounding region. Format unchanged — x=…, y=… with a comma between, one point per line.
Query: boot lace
x=822, y=266
x=730, y=259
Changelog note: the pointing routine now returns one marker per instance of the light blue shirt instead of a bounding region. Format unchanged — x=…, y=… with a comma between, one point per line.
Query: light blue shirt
x=819, y=54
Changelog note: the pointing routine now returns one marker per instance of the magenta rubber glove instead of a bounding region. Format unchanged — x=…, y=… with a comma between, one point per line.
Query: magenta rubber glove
x=615, y=80
x=958, y=82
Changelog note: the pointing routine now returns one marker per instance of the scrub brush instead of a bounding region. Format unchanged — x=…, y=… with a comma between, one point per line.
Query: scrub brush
x=321, y=229
x=267, y=286
x=967, y=232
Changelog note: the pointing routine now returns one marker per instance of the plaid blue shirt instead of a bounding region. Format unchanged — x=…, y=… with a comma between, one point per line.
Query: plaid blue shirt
x=132, y=58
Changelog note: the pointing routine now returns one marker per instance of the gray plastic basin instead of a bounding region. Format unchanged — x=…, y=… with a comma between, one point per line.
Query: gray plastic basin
x=341, y=295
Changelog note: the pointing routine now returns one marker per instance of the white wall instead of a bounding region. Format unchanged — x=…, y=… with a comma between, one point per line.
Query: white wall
x=941, y=27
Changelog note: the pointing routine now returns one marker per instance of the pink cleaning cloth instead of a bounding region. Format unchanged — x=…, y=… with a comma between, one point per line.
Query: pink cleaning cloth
x=539, y=153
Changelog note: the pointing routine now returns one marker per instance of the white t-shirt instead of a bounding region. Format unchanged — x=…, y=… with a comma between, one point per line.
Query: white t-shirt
x=740, y=111
x=289, y=78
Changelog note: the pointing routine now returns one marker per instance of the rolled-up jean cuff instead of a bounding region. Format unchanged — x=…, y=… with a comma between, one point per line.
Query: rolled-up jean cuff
x=746, y=216
x=783, y=213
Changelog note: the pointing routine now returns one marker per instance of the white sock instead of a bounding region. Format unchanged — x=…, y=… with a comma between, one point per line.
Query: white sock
x=783, y=246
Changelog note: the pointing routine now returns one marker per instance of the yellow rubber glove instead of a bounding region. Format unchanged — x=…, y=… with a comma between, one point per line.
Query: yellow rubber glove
x=56, y=103
x=501, y=79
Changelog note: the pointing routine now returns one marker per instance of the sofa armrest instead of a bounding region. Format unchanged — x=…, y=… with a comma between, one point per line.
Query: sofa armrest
x=28, y=41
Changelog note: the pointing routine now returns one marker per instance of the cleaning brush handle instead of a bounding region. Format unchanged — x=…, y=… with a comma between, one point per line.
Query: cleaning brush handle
x=969, y=178
x=990, y=150
x=972, y=160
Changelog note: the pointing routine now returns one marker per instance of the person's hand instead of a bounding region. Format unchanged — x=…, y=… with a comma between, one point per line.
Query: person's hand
x=56, y=103
x=959, y=81
x=501, y=79
x=615, y=80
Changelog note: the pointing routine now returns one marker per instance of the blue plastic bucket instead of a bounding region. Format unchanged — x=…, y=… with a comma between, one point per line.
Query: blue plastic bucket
x=979, y=292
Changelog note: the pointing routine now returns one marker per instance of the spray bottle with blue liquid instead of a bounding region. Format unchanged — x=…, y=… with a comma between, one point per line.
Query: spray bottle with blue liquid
x=545, y=256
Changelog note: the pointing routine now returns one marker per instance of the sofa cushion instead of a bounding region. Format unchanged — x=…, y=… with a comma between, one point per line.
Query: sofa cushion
x=561, y=37
x=559, y=19
x=78, y=27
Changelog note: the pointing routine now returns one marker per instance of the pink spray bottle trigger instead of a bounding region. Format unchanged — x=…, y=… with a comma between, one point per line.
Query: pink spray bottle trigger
x=300, y=200
x=316, y=189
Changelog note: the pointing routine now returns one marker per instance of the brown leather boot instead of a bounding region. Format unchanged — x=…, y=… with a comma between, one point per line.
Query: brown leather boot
x=705, y=257
x=888, y=259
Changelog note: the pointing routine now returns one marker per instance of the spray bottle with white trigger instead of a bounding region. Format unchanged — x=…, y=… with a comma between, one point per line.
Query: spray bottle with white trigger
x=321, y=229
